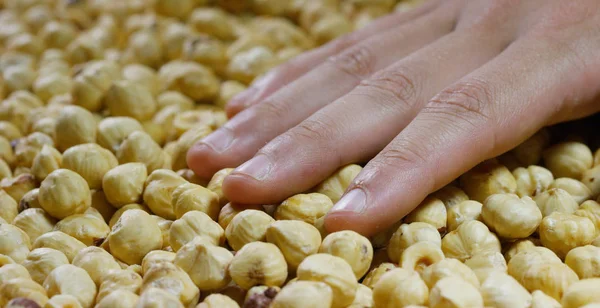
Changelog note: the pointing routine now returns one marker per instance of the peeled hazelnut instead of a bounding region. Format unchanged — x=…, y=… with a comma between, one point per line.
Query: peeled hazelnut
x=87, y=228
x=134, y=235
x=18, y=186
x=591, y=210
x=568, y=159
x=420, y=255
x=96, y=262
x=530, y=151
x=304, y=294
x=191, y=177
x=124, y=184
x=486, y=179
x=129, y=99
x=27, y=148
x=245, y=66
x=230, y=210
x=296, y=240
x=450, y=195
x=9, y=131
x=216, y=184
x=34, y=222
x=191, y=197
x=52, y=84
x=41, y=261
x=556, y=200
x=205, y=263
x=144, y=46
x=174, y=98
x=373, y=276
x=72, y=280
x=431, y=211
x=533, y=180
x=8, y=207
x=454, y=292
x=486, y=263
x=22, y=288
x=156, y=297
x=60, y=241
x=470, y=238
x=113, y=130
x=64, y=193
x=333, y=271
x=142, y=75
x=101, y=205
x=14, y=242
x=463, y=211
x=5, y=171
x=157, y=194
x=118, y=280
x=228, y=90
x=173, y=280
x=258, y=263
x=6, y=151
x=212, y=21
x=502, y=290
x=140, y=147
x=261, y=296
x=578, y=190
x=115, y=217
x=563, y=232
x=190, y=78
x=335, y=186
x=156, y=256
x=399, y=288
x=118, y=299
x=74, y=126
x=410, y=234
x=585, y=261
x=591, y=178
x=192, y=224
x=218, y=301
x=46, y=161
x=510, y=216
x=91, y=161
x=305, y=207
x=18, y=78
x=352, y=247
x=185, y=142
x=517, y=246
x=448, y=267
x=582, y=293
x=57, y=34
x=13, y=271
x=247, y=226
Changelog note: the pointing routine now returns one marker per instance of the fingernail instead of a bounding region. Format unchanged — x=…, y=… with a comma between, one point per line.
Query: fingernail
x=220, y=140
x=244, y=97
x=354, y=201
x=258, y=167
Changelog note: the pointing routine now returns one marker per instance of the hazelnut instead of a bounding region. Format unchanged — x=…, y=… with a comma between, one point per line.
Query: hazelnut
x=330, y=27
x=9, y=131
x=72, y=280
x=173, y=280
x=74, y=126
x=399, y=288
x=486, y=179
x=420, y=255
x=8, y=207
x=64, y=193
x=101, y=205
x=157, y=297
x=14, y=242
x=185, y=142
x=216, y=184
x=230, y=210
x=130, y=99
x=374, y=275
x=305, y=207
x=57, y=34
x=410, y=234
x=41, y=261
x=261, y=296
x=590, y=178
x=562, y=232
x=296, y=240
x=352, y=247
x=157, y=256
x=463, y=211
x=140, y=147
x=91, y=161
x=19, y=185
x=578, y=190
x=205, y=50
x=118, y=299
x=245, y=66
x=134, y=235
x=448, y=267
x=556, y=200
x=510, y=216
x=515, y=247
x=115, y=217
x=247, y=226
x=431, y=211
x=142, y=75
x=533, y=180
x=5, y=171
x=46, y=161
x=469, y=239
x=333, y=271
x=450, y=195
x=192, y=224
x=591, y=210
x=52, y=84
x=112, y=131
x=304, y=294
x=191, y=197
x=453, y=291
x=124, y=184
x=190, y=78
x=258, y=263
x=13, y=271
x=205, y=263
x=502, y=290
x=585, y=261
x=158, y=192
x=568, y=159
x=229, y=89
x=60, y=241
x=34, y=222
x=486, y=263
x=118, y=280
x=582, y=293
x=212, y=21
x=22, y=288
x=87, y=228
x=530, y=151
x=218, y=301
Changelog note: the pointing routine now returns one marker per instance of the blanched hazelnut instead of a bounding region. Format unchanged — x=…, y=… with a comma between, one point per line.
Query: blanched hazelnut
x=57, y=34
x=591, y=210
x=14, y=242
x=205, y=50
x=563, y=232
x=190, y=78
x=115, y=217
x=515, y=247
x=74, y=126
x=305, y=207
x=13, y=271
x=451, y=196
x=532, y=180
x=230, y=210
x=18, y=78
x=52, y=84
x=218, y=301
x=578, y=190
x=60, y=241
x=118, y=299
x=510, y=216
x=41, y=261
x=134, y=235
x=454, y=292
x=129, y=99
x=409, y=234
x=140, y=147
x=245, y=66
x=568, y=159
x=304, y=294
x=228, y=90
x=352, y=247
x=27, y=148
x=296, y=240
x=87, y=228
x=216, y=184
x=34, y=222
x=46, y=161
x=374, y=275
x=581, y=293
x=22, y=288
x=173, y=280
x=96, y=262
x=156, y=256
x=101, y=205
x=530, y=151
x=113, y=130
x=469, y=239
x=9, y=131
x=185, y=142
x=363, y=298
x=247, y=226
x=330, y=27
x=205, y=263
x=118, y=280
x=258, y=263
x=585, y=261
x=191, y=197
x=8, y=207
x=19, y=185
x=64, y=193
x=502, y=290
x=212, y=21
x=486, y=263
x=590, y=178
x=157, y=193
x=72, y=280
x=191, y=177
x=91, y=161
x=124, y=184
x=420, y=255
x=142, y=75
x=192, y=224
x=5, y=171
x=155, y=297
x=431, y=211
x=448, y=267
x=541, y=300
x=399, y=288
x=486, y=179
x=463, y=211
x=333, y=271
x=6, y=151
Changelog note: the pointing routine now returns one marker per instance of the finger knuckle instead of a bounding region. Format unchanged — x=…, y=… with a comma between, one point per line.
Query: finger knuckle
x=357, y=61
x=343, y=42
x=469, y=100
x=408, y=155
x=398, y=84
x=311, y=130
x=271, y=109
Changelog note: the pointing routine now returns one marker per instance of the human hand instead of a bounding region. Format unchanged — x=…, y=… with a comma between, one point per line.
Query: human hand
x=425, y=95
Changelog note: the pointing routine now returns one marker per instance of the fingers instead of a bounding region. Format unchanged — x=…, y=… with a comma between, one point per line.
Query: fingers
x=292, y=70
x=485, y=114
x=250, y=130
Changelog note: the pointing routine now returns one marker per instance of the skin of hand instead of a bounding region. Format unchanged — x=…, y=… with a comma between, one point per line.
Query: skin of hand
x=423, y=96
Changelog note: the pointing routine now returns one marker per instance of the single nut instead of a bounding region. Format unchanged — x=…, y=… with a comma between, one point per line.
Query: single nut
x=463, y=211
x=192, y=224
x=5, y=171
x=185, y=142
x=118, y=280
x=454, y=292
x=486, y=263
x=296, y=240
x=157, y=297
x=374, y=275
x=591, y=210
x=230, y=210
x=119, y=299
x=91, y=161
x=87, y=228
x=173, y=280
x=34, y=222
x=212, y=21
x=245, y=66
x=60, y=241
x=335, y=186
x=530, y=151
x=74, y=126
x=258, y=263
x=486, y=179
x=191, y=197
x=568, y=159
x=115, y=217
x=52, y=84
x=515, y=247
x=333, y=271
x=72, y=280
x=352, y=247
x=158, y=192
x=533, y=180
x=183, y=121
x=410, y=234
x=541, y=300
x=41, y=261
x=399, y=288
x=556, y=200
x=57, y=34
x=27, y=148
x=8, y=207
x=6, y=151
x=578, y=190
x=101, y=205
x=305, y=207
x=18, y=186
x=134, y=235
x=130, y=99
x=18, y=78
x=46, y=161
x=112, y=131
x=330, y=27
x=140, y=147
x=13, y=271
x=502, y=290
x=590, y=178
x=582, y=293
x=448, y=267
x=229, y=89
x=22, y=288
x=144, y=47
x=205, y=263
x=205, y=50
x=451, y=196
x=218, y=301
x=363, y=298
x=469, y=239
x=511, y=217
x=96, y=262
x=9, y=131
x=124, y=184
x=64, y=193
x=157, y=256
x=247, y=226
x=431, y=211
x=420, y=255
x=14, y=242
x=142, y=75
x=261, y=296
x=174, y=98
x=304, y=294
x=585, y=261
x=165, y=226
x=563, y=232
x=190, y=78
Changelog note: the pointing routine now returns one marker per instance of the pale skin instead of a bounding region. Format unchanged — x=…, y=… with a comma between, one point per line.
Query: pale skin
x=423, y=96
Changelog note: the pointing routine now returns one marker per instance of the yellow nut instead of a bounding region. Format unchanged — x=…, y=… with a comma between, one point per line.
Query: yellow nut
x=34, y=222
x=185, y=142
x=486, y=179
x=585, y=261
x=144, y=46
x=157, y=256
x=431, y=211
x=563, y=232
x=57, y=34
x=218, y=301
x=9, y=131
x=511, y=217
x=72, y=280
x=22, y=288
x=63, y=301
x=174, y=98
x=305, y=207
x=486, y=263
x=74, y=126
x=118, y=280
x=60, y=241
x=333, y=271
x=363, y=298
x=541, y=300
x=568, y=159
x=142, y=75
x=52, y=84
x=13, y=271
x=205, y=50
x=578, y=190
x=129, y=99
x=27, y=148
x=228, y=90
x=192, y=224
x=212, y=21
x=296, y=240
x=448, y=267
x=14, y=242
x=530, y=151
x=247, y=226
x=190, y=78
x=41, y=261
x=18, y=78
x=515, y=247
x=155, y=297
x=205, y=263
x=134, y=235
x=374, y=275
x=112, y=131
x=258, y=263
x=140, y=147
x=191, y=177
x=96, y=262
x=46, y=161
x=330, y=27
x=119, y=299
x=117, y=214
x=582, y=293
x=101, y=206
x=191, y=197
x=409, y=234
x=245, y=66
x=335, y=186
x=216, y=184
x=591, y=210
x=91, y=161
x=451, y=196
x=5, y=171
x=64, y=193
x=165, y=226
x=399, y=288
x=87, y=228
x=230, y=210
x=352, y=247
x=533, y=180
x=454, y=292
x=304, y=294
x=173, y=280
x=124, y=184
x=8, y=207
x=420, y=255
x=469, y=239
x=463, y=211
x=590, y=179
x=6, y=152
x=503, y=291
x=18, y=186
x=556, y=200
x=183, y=121
x=158, y=192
